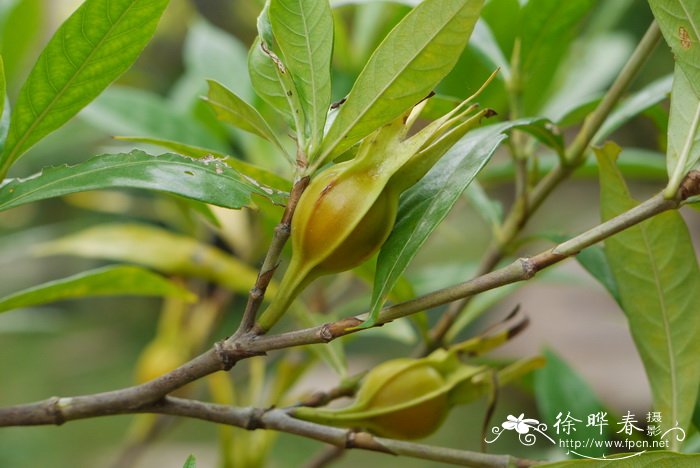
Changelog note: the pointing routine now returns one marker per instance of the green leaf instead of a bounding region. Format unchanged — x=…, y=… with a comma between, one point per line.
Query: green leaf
x=414, y=57
x=234, y=110
x=683, y=150
x=595, y=262
x=3, y=92
x=650, y=95
x=426, y=204
x=21, y=30
x=263, y=76
x=91, y=49
x=634, y=460
x=546, y=30
x=207, y=180
x=270, y=77
x=120, y=280
x=257, y=173
x=155, y=248
x=4, y=106
x=657, y=276
x=558, y=388
x=304, y=33
x=130, y=111
x=679, y=21
x=191, y=462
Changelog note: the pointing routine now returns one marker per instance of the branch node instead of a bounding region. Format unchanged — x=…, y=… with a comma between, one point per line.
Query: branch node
x=284, y=229
x=256, y=293
x=254, y=420
x=54, y=409
x=529, y=267
x=690, y=185
x=225, y=356
x=325, y=333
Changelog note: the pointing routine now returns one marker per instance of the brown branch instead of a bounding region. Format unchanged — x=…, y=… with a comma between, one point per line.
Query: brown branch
x=520, y=270
x=271, y=262
x=58, y=411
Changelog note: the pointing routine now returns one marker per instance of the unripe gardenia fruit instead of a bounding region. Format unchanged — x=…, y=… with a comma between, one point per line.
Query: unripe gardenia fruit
x=349, y=209
x=410, y=398
x=402, y=398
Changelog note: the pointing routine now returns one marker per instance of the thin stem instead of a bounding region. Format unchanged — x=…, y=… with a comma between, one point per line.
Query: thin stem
x=527, y=203
x=520, y=270
x=271, y=262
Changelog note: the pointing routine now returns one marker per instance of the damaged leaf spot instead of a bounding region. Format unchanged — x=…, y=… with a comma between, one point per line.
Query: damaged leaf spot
x=684, y=37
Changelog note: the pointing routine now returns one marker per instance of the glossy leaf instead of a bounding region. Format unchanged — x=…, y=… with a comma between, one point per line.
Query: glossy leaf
x=155, y=248
x=657, y=276
x=206, y=180
x=558, y=388
x=235, y=111
x=679, y=21
x=426, y=204
x=304, y=32
x=683, y=130
x=130, y=111
x=634, y=105
x=119, y=280
x=546, y=30
x=77, y=64
x=252, y=171
x=407, y=65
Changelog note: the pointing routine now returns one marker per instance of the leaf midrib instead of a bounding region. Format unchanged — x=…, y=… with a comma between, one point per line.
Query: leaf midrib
x=116, y=166
x=666, y=325
x=42, y=115
x=387, y=86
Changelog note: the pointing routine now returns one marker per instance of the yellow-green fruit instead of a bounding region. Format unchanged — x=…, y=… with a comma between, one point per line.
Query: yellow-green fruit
x=418, y=417
x=330, y=203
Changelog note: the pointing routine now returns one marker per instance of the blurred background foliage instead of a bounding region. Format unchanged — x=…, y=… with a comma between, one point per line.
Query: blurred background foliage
x=92, y=345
